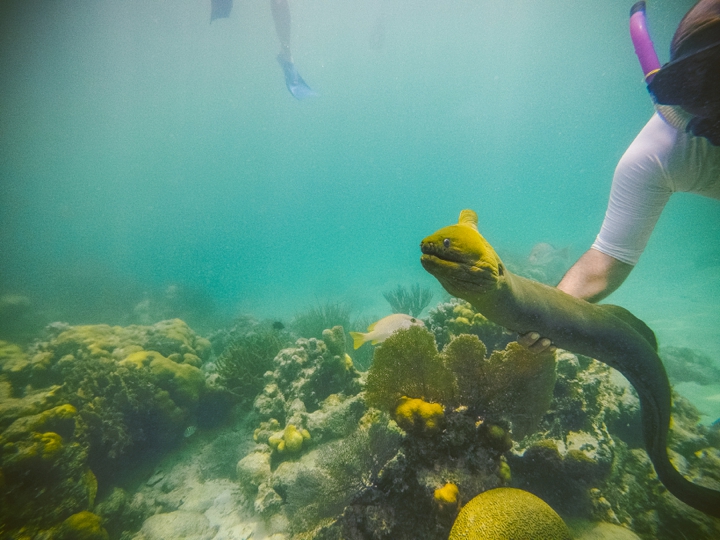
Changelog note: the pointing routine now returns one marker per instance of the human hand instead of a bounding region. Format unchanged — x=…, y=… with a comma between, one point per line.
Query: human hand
x=534, y=343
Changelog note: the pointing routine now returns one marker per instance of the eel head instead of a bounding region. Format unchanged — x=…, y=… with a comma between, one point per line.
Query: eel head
x=461, y=259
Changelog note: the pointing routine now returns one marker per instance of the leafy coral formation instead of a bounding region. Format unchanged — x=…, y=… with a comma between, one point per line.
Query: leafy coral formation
x=411, y=301
x=513, y=385
x=408, y=364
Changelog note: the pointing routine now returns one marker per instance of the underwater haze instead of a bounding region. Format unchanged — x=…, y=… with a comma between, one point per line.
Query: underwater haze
x=190, y=256
x=148, y=153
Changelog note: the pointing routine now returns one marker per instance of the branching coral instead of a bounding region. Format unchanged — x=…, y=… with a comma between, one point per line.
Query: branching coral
x=348, y=467
x=411, y=301
x=243, y=363
x=311, y=323
x=408, y=364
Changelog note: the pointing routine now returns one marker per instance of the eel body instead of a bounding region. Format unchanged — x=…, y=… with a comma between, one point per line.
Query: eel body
x=467, y=267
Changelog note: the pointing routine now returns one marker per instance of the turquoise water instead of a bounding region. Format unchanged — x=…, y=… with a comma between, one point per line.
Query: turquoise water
x=144, y=148
x=154, y=165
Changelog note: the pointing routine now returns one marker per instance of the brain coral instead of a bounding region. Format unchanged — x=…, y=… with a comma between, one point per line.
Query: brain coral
x=503, y=513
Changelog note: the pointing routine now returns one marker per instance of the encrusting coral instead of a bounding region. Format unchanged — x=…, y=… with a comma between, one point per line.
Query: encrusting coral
x=290, y=440
x=82, y=526
x=81, y=404
x=502, y=513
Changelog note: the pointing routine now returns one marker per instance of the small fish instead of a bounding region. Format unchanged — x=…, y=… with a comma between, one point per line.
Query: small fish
x=381, y=330
x=190, y=431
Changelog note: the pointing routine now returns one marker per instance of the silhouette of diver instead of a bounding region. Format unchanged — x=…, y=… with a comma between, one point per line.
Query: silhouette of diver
x=297, y=86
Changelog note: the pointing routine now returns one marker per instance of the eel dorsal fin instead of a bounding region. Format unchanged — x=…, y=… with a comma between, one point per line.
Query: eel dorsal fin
x=468, y=218
x=639, y=326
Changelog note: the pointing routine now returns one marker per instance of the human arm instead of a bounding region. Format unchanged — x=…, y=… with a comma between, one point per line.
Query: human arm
x=638, y=195
x=594, y=276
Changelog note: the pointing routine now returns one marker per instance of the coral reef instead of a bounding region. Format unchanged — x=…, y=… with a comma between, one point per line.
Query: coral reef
x=78, y=406
x=450, y=319
x=327, y=452
x=312, y=322
x=408, y=364
x=504, y=513
x=586, y=460
x=411, y=301
x=245, y=360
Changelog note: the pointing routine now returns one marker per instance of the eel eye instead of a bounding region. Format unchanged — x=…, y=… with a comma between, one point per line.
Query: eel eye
x=412, y=319
x=446, y=242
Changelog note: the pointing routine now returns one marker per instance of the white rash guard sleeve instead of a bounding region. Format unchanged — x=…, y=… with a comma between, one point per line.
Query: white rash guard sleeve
x=660, y=161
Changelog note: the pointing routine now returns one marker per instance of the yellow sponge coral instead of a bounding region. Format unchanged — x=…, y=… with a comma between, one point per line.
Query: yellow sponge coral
x=290, y=440
x=446, y=497
x=417, y=414
x=502, y=513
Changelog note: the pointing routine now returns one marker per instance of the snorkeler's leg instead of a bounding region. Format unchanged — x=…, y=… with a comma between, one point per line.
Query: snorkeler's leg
x=281, y=16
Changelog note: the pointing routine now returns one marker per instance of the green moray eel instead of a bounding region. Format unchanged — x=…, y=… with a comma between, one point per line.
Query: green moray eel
x=467, y=267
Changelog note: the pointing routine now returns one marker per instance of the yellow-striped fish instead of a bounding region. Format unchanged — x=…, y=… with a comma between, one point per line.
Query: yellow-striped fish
x=381, y=330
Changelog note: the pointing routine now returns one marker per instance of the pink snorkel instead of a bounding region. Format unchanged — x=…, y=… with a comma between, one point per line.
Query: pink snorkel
x=674, y=116
x=643, y=44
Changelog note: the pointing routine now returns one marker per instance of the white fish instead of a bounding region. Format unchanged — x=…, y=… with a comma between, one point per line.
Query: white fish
x=381, y=330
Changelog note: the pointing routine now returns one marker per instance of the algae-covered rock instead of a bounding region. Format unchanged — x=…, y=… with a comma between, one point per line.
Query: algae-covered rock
x=502, y=513
x=78, y=405
x=185, y=382
x=178, y=525
x=82, y=526
x=253, y=470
